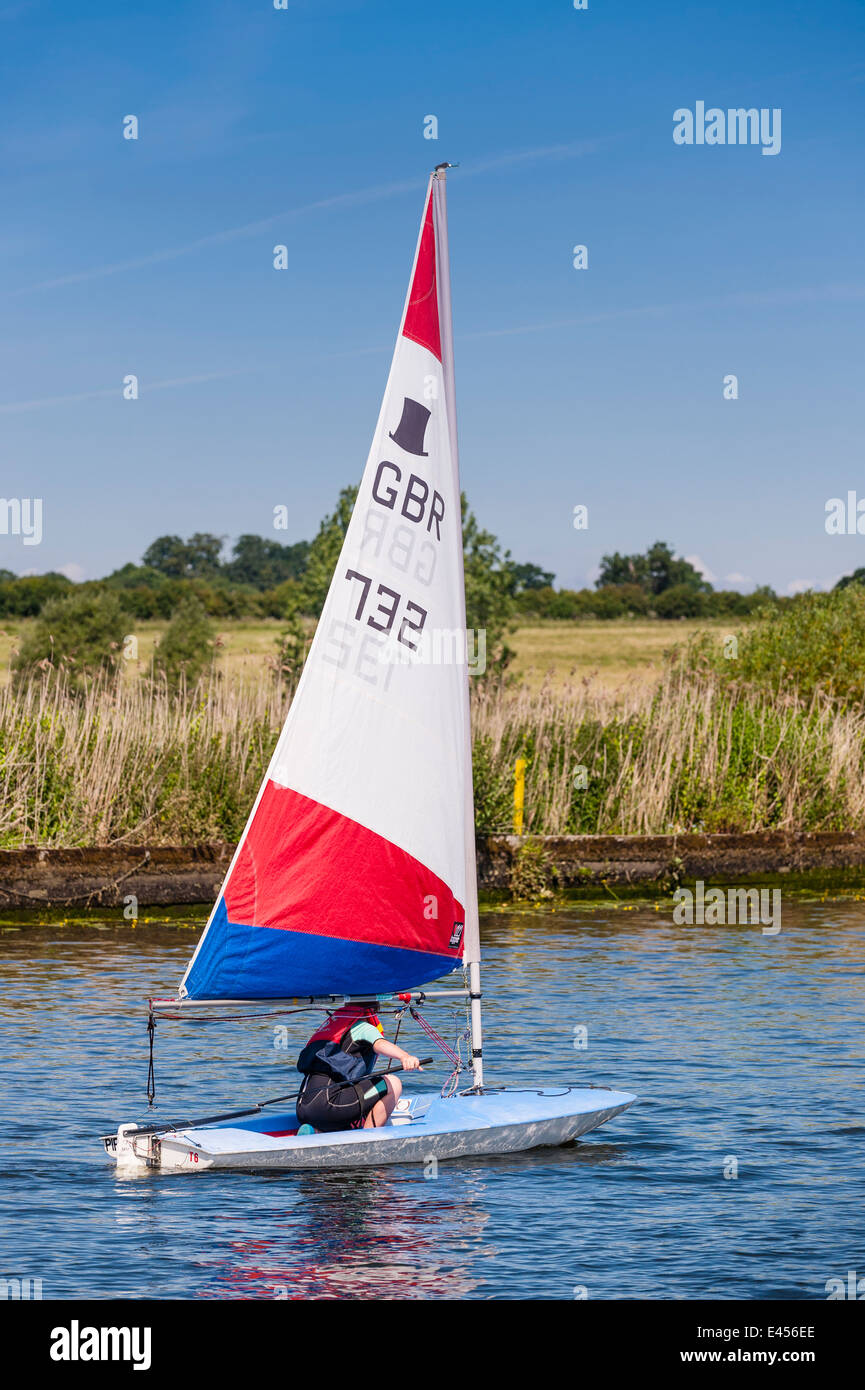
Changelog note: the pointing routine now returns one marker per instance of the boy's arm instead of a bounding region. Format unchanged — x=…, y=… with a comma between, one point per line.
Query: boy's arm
x=389, y=1049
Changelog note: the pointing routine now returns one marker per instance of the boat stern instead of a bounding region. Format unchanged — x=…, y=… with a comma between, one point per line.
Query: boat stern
x=128, y=1152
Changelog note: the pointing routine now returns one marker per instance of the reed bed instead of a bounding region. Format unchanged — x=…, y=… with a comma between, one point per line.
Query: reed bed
x=133, y=762
x=691, y=754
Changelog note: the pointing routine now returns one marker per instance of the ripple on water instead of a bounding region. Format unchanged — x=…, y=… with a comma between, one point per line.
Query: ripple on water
x=745, y=1051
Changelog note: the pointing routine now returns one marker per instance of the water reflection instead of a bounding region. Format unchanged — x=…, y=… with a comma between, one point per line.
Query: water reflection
x=369, y=1235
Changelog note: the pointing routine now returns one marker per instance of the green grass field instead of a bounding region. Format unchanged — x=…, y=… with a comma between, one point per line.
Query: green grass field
x=609, y=654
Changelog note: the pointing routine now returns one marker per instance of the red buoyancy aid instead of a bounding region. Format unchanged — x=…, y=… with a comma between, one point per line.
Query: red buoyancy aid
x=342, y=1019
x=324, y=1051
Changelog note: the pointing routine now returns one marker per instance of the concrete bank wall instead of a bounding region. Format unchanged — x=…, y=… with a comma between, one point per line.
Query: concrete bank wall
x=660, y=861
x=507, y=864
x=105, y=877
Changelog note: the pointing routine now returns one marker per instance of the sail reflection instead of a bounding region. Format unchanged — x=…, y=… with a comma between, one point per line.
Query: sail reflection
x=368, y=1235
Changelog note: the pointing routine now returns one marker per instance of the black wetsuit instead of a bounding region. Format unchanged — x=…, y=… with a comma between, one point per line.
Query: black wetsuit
x=337, y=1091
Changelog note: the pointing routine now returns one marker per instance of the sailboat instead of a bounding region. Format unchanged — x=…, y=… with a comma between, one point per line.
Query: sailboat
x=355, y=879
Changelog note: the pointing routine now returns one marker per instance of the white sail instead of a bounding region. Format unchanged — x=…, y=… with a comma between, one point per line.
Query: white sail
x=356, y=871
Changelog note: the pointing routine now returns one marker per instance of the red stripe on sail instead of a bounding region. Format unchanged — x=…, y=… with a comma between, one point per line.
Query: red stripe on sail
x=422, y=315
x=306, y=868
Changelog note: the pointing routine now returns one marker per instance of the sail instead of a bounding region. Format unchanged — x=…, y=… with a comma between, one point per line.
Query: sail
x=356, y=871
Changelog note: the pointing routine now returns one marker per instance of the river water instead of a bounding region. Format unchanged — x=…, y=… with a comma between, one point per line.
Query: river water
x=737, y=1175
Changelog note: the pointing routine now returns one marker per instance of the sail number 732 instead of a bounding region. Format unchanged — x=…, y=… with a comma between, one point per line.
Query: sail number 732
x=384, y=613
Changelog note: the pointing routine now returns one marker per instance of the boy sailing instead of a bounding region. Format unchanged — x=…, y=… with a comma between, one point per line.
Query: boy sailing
x=337, y=1090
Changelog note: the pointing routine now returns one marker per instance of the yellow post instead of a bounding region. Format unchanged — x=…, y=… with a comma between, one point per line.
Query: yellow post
x=519, y=794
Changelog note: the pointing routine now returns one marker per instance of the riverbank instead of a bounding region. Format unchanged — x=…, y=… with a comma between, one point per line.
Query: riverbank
x=510, y=867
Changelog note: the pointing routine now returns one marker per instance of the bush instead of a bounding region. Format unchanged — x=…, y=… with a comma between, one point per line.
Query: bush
x=25, y=597
x=532, y=873
x=680, y=602
x=292, y=647
x=813, y=644
x=186, y=647
x=571, y=605
x=79, y=635
x=283, y=601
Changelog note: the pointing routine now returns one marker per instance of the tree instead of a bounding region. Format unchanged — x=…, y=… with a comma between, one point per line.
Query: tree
x=659, y=569
x=489, y=592
x=204, y=551
x=167, y=555
x=529, y=577
x=292, y=647
x=621, y=569
x=265, y=564
x=195, y=558
x=857, y=577
x=324, y=553
x=186, y=646
x=80, y=635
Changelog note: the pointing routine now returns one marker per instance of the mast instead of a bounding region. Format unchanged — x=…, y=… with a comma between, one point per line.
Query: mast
x=472, y=949
x=356, y=873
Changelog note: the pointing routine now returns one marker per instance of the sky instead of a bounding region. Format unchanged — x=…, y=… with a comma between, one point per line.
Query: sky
x=304, y=126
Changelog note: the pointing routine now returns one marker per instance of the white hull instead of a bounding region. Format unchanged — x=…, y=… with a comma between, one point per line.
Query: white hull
x=497, y=1122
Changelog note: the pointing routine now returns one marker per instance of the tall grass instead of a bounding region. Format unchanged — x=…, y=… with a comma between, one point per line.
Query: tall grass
x=129, y=761
x=692, y=754
x=132, y=761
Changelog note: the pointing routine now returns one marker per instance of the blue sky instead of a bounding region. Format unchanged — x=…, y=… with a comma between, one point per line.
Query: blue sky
x=305, y=127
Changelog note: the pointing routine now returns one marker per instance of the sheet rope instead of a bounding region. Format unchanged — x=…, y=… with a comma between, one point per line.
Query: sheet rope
x=453, y=1054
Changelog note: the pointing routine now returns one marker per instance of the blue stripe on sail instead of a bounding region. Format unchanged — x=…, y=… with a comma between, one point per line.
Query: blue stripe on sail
x=241, y=962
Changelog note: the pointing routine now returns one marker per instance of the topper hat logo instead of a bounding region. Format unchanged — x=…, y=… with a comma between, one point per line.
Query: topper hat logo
x=409, y=433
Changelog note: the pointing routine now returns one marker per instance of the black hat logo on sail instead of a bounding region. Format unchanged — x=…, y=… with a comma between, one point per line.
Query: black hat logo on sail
x=409, y=433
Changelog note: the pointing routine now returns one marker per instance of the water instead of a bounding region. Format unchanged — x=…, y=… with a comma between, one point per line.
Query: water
x=740, y=1046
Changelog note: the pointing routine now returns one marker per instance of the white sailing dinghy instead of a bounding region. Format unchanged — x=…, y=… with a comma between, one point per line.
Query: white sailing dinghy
x=355, y=878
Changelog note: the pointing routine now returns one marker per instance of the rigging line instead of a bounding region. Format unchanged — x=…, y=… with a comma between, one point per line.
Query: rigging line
x=561, y=1088
x=184, y=1017
x=399, y=1018
x=455, y=1057
x=434, y=1036
x=238, y=1018
x=151, y=1071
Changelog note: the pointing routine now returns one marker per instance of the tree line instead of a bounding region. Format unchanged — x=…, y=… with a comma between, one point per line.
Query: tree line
x=191, y=582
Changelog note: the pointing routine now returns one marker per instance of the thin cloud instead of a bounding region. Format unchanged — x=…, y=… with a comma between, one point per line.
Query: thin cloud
x=367, y=195
x=359, y=197
x=574, y=150
x=105, y=393
x=846, y=294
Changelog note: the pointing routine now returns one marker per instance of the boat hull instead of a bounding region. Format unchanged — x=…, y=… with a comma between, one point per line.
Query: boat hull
x=421, y=1130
